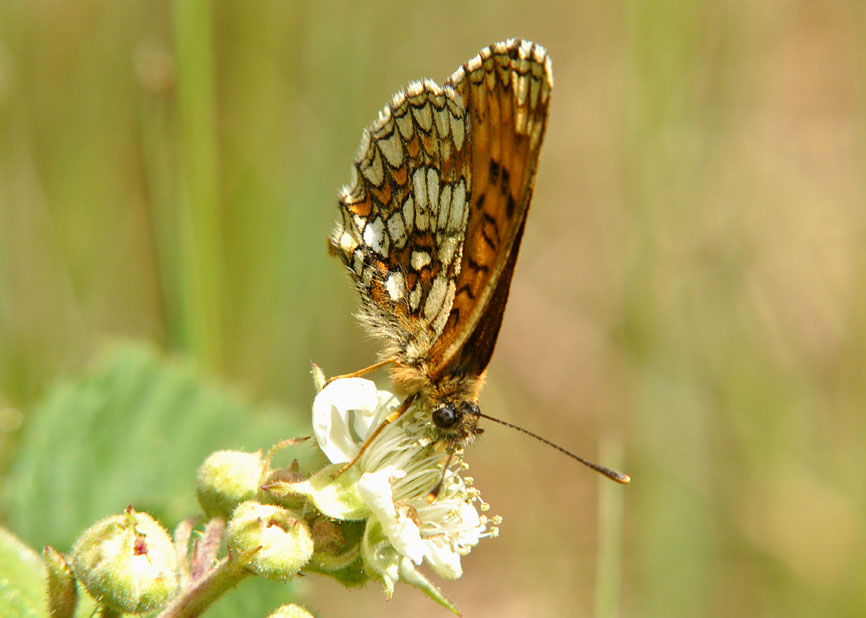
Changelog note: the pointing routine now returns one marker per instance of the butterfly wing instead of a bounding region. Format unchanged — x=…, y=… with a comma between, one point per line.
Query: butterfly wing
x=506, y=93
x=403, y=217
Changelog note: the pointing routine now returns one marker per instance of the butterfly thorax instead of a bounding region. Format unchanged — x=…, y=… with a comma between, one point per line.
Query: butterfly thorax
x=450, y=400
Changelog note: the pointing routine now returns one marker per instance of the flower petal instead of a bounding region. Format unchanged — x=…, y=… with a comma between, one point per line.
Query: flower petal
x=336, y=431
x=442, y=557
x=471, y=526
x=402, y=531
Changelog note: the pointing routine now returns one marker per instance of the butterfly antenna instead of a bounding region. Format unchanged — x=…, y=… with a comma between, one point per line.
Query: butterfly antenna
x=613, y=475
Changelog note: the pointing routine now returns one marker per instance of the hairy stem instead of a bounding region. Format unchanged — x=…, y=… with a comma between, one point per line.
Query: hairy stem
x=193, y=601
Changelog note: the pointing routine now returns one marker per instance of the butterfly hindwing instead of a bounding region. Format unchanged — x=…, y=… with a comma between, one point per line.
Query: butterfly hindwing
x=404, y=216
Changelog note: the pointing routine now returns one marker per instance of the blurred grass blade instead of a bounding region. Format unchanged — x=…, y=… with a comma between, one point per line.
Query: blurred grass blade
x=199, y=212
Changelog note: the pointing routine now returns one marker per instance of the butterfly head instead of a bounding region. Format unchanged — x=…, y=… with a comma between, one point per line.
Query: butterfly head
x=456, y=421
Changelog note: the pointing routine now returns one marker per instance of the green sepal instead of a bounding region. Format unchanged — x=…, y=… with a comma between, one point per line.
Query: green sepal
x=335, y=496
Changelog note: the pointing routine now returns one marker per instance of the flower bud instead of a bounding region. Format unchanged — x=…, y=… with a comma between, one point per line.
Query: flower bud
x=226, y=479
x=272, y=540
x=328, y=537
x=290, y=611
x=338, y=550
x=127, y=562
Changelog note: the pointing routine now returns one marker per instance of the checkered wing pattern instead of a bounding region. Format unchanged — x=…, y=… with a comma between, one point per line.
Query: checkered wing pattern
x=430, y=225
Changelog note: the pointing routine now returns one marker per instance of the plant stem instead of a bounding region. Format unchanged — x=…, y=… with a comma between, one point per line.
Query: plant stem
x=227, y=574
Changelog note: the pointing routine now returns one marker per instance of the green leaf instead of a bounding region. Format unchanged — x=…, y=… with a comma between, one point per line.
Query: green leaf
x=22, y=583
x=133, y=430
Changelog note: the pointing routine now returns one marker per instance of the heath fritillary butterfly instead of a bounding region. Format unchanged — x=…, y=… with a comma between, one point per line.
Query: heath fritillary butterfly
x=430, y=225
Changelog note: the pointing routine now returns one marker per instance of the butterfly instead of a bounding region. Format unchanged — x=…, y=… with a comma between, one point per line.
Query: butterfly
x=431, y=222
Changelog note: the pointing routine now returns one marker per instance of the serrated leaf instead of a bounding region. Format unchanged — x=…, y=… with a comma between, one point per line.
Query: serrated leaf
x=22, y=579
x=133, y=430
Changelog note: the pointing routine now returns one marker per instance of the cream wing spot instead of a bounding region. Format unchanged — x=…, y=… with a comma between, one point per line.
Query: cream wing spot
x=397, y=230
x=435, y=297
x=347, y=243
x=442, y=125
x=444, y=311
x=415, y=297
x=444, y=207
x=457, y=218
x=405, y=126
x=395, y=285
x=409, y=213
x=423, y=117
x=392, y=149
x=420, y=259
x=447, y=249
x=375, y=237
x=372, y=171
x=419, y=183
x=433, y=189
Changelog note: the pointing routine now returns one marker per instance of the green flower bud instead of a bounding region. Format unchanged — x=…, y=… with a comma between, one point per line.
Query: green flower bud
x=333, y=551
x=272, y=540
x=328, y=537
x=127, y=562
x=226, y=479
x=290, y=611
x=62, y=592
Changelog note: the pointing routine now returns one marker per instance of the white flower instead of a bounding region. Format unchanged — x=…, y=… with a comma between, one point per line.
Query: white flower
x=393, y=479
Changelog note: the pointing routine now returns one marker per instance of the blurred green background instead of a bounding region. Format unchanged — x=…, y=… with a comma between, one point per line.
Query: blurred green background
x=689, y=304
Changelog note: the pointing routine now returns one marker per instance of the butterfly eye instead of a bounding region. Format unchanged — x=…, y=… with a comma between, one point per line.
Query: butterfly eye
x=446, y=416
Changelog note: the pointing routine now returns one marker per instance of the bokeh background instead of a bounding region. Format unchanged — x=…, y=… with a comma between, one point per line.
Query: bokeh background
x=689, y=303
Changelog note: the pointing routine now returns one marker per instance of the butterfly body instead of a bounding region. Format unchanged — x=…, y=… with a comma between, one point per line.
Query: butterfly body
x=430, y=225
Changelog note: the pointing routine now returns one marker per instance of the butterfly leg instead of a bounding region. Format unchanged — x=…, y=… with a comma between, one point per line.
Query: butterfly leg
x=361, y=372
x=390, y=419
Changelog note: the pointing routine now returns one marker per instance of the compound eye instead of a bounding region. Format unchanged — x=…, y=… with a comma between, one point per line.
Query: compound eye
x=445, y=417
